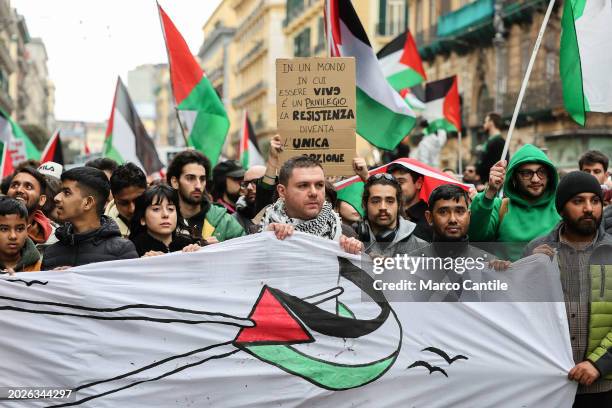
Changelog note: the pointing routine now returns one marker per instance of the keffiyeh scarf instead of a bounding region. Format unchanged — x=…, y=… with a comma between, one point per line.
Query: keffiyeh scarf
x=326, y=225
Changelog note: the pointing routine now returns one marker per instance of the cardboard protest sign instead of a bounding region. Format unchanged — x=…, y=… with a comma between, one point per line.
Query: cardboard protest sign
x=315, y=99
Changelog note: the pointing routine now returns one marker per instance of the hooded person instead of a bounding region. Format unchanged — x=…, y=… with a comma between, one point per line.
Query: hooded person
x=528, y=209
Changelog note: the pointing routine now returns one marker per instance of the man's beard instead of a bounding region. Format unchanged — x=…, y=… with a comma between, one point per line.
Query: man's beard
x=522, y=190
x=189, y=200
x=582, y=227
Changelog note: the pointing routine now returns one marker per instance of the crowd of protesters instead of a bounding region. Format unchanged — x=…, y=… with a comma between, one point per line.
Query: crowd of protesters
x=52, y=219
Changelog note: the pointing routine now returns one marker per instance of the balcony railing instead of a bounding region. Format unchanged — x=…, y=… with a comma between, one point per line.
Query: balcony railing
x=240, y=99
x=540, y=99
x=254, y=50
x=295, y=9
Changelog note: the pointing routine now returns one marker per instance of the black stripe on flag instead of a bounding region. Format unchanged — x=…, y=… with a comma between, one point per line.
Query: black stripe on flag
x=438, y=89
x=397, y=44
x=145, y=149
x=252, y=136
x=348, y=16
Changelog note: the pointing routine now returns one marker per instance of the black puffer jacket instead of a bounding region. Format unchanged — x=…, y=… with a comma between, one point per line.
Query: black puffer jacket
x=102, y=244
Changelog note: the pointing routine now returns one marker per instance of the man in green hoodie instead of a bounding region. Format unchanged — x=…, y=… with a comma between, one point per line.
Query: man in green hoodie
x=528, y=209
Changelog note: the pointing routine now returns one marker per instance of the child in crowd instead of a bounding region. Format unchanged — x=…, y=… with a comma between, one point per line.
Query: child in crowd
x=153, y=229
x=17, y=252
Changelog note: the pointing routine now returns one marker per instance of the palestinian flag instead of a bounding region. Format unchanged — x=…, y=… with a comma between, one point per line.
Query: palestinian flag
x=202, y=114
x=442, y=105
x=432, y=177
x=401, y=62
x=414, y=98
x=127, y=139
x=20, y=146
x=250, y=155
x=292, y=334
x=86, y=149
x=383, y=118
x=586, y=57
x=53, y=150
x=6, y=163
x=353, y=194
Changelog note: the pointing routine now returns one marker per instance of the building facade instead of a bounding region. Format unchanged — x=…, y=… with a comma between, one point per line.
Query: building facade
x=488, y=44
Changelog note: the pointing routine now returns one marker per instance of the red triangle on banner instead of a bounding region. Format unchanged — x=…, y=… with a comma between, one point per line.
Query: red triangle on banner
x=273, y=324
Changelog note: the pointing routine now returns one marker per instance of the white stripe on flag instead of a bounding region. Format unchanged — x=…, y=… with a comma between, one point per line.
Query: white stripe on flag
x=434, y=110
x=390, y=64
x=124, y=141
x=370, y=78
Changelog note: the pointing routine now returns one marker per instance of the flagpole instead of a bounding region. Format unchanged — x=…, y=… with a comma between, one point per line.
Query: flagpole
x=460, y=155
x=178, y=118
x=519, y=102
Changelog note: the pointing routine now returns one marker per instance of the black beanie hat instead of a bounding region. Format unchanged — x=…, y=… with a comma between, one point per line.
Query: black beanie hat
x=574, y=183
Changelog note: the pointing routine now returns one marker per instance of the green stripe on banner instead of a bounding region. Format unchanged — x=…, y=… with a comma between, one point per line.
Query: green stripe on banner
x=405, y=79
x=379, y=125
x=322, y=373
x=211, y=124
x=570, y=65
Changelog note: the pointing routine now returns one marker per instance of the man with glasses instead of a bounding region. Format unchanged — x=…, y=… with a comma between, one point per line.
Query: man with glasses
x=246, y=208
x=527, y=210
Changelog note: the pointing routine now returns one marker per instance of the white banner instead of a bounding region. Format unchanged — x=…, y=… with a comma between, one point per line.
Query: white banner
x=257, y=322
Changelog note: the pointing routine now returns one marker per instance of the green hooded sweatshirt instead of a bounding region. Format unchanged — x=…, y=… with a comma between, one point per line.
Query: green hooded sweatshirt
x=523, y=221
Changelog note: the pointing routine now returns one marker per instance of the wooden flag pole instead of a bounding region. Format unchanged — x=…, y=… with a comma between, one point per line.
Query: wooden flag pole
x=519, y=102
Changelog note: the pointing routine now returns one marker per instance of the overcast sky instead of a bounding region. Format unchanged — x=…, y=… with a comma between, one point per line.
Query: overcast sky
x=90, y=43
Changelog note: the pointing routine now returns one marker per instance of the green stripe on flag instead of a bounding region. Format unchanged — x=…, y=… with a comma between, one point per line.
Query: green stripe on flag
x=353, y=195
x=211, y=124
x=570, y=64
x=438, y=124
x=323, y=373
x=371, y=114
x=405, y=79
x=111, y=152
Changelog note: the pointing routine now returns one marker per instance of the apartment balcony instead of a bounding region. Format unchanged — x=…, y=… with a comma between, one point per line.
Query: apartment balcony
x=250, y=93
x=471, y=26
x=214, y=38
x=250, y=56
x=541, y=100
x=295, y=8
x=390, y=28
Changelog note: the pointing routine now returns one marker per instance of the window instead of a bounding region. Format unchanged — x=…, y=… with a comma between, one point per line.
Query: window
x=396, y=17
x=301, y=44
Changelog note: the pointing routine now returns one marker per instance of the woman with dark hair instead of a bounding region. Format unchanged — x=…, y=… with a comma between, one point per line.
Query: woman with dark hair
x=153, y=229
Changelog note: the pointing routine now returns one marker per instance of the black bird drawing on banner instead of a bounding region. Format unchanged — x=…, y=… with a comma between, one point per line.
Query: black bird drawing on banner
x=428, y=366
x=445, y=356
x=29, y=283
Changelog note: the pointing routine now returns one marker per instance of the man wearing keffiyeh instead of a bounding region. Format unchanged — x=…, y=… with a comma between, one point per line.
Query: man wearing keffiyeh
x=302, y=207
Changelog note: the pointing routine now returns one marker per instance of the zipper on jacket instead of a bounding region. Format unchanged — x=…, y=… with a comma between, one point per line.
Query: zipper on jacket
x=602, y=289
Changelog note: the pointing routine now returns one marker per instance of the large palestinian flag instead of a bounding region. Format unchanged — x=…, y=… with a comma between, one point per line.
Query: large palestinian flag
x=203, y=116
x=20, y=146
x=432, y=177
x=383, y=118
x=401, y=62
x=127, y=139
x=53, y=150
x=250, y=155
x=442, y=105
x=586, y=57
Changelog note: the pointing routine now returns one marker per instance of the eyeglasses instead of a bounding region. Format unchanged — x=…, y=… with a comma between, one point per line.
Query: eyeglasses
x=528, y=174
x=245, y=184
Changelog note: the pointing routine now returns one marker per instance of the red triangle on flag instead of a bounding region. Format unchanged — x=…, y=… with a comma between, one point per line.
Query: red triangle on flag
x=6, y=163
x=273, y=324
x=185, y=72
